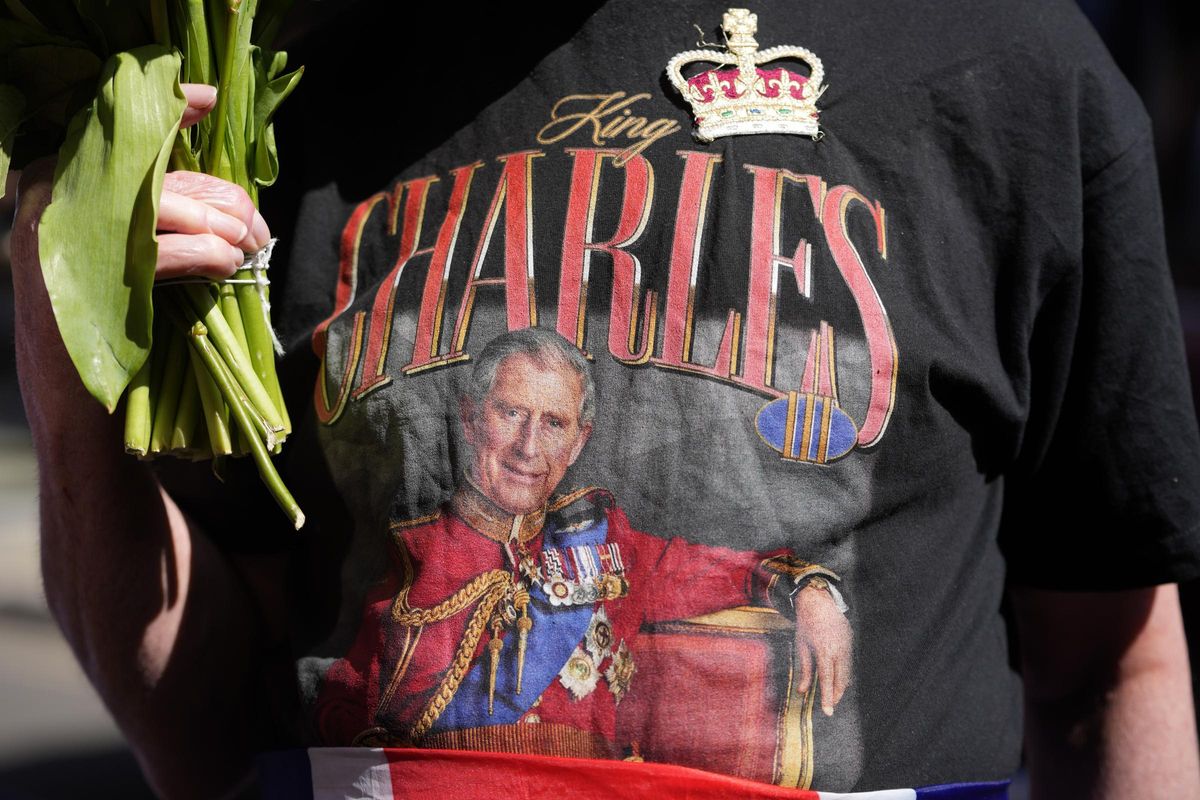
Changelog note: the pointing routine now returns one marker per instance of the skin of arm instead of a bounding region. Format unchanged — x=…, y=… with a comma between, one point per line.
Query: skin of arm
x=163, y=624
x=1108, y=699
x=823, y=642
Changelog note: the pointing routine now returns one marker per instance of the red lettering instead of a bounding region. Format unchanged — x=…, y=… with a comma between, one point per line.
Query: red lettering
x=681, y=281
x=382, y=310
x=765, y=263
x=347, y=281
x=820, y=365
x=515, y=194
x=624, y=331
x=328, y=411
x=881, y=342
x=433, y=298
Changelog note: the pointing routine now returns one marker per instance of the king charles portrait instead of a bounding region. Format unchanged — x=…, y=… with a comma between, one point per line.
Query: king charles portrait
x=511, y=619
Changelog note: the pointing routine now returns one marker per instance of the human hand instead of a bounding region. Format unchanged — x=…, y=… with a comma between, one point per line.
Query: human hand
x=205, y=224
x=823, y=645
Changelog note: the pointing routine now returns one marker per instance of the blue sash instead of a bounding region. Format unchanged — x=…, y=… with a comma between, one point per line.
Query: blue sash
x=556, y=632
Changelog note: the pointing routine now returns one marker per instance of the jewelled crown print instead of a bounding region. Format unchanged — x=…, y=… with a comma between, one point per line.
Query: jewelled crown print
x=749, y=98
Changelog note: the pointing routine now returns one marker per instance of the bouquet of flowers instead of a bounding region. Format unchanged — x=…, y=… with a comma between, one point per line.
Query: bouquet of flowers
x=97, y=82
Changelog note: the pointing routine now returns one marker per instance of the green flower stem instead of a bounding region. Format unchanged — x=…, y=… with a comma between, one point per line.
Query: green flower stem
x=138, y=419
x=228, y=300
x=216, y=417
x=184, y=430
x=229, y=389
x=168, y=399
x=216, y=140
x=261, y=348
x=162, y=331
x=182, y=157
x=260, y=426
x=223, y=337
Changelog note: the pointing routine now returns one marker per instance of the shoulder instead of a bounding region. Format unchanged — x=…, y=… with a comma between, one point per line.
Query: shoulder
x=407, y=534
x=583, y=506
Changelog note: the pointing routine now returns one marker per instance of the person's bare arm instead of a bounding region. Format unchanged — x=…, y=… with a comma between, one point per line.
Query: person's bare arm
x=158, y=618
x=1107, y=695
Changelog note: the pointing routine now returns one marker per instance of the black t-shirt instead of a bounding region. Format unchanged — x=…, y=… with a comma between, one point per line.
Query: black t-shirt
x=931, y=352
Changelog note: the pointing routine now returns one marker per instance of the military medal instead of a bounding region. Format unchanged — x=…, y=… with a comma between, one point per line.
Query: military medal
x=583, y=574
x=620, y=672
x=599, y=638
x=579, y=675
x=747, y=98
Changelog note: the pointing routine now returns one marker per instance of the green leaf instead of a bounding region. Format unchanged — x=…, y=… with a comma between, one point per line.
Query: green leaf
x=97, y=242
x=268, y=19
x=227, y=145
x=191, y=36
x=12, y=105
x=190, y=32
x=271, y=89
x=218, y=16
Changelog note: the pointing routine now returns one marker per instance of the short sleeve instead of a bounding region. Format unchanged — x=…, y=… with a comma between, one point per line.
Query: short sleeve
x=1106, y=491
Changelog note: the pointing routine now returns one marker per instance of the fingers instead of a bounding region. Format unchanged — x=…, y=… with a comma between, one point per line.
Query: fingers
x=223, y=196
x=206, y=226
x=841, y=677
x=804, y=669
x=181, y=214
x=201, y=99
x=203, y=254
x=823, y=646
x=825, y=679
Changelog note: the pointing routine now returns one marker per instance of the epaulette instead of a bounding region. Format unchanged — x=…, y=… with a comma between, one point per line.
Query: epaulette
x=401, y=524
x=580, y=508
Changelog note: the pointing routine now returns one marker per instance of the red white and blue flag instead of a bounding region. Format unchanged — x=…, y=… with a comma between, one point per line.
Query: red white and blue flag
x=360, y=773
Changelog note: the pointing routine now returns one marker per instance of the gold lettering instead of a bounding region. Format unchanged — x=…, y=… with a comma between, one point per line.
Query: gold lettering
x=602, y=117
x=659, y=129
x=615, y=127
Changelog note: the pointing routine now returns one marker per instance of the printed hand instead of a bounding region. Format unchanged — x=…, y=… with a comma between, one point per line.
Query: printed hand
x=823, y=646
x=205, y=224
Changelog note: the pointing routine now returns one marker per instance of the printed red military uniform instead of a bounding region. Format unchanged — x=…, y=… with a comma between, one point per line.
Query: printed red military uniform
x=421, y=629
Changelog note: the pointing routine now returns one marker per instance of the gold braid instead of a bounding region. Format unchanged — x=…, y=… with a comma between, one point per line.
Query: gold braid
x=477, y=587
x=493, y=594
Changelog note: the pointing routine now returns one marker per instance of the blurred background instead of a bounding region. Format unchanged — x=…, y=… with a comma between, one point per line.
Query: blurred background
x=56, y=739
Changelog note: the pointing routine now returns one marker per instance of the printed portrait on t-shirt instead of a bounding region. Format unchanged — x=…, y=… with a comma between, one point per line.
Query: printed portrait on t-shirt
x=602, y=400
x=523, y=618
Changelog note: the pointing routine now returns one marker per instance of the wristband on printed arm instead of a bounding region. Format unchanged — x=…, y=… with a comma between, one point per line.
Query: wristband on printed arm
x=795, y=574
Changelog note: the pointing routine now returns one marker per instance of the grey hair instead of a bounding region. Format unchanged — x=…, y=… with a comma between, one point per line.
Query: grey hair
x=548, y=349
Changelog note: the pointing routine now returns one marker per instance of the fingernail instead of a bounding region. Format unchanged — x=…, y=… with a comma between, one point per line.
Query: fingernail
x=828, y=710
x=228, y=228
x=237, y=256
x=262, y=234
x=204, y=95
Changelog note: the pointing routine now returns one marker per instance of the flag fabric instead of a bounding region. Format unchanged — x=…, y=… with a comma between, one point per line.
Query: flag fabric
x=361, y=773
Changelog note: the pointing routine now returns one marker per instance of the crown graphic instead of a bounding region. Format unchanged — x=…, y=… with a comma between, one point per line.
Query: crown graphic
x=747, y=98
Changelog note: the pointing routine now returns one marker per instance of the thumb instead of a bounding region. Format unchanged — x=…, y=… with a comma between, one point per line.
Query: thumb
x=201, y=98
